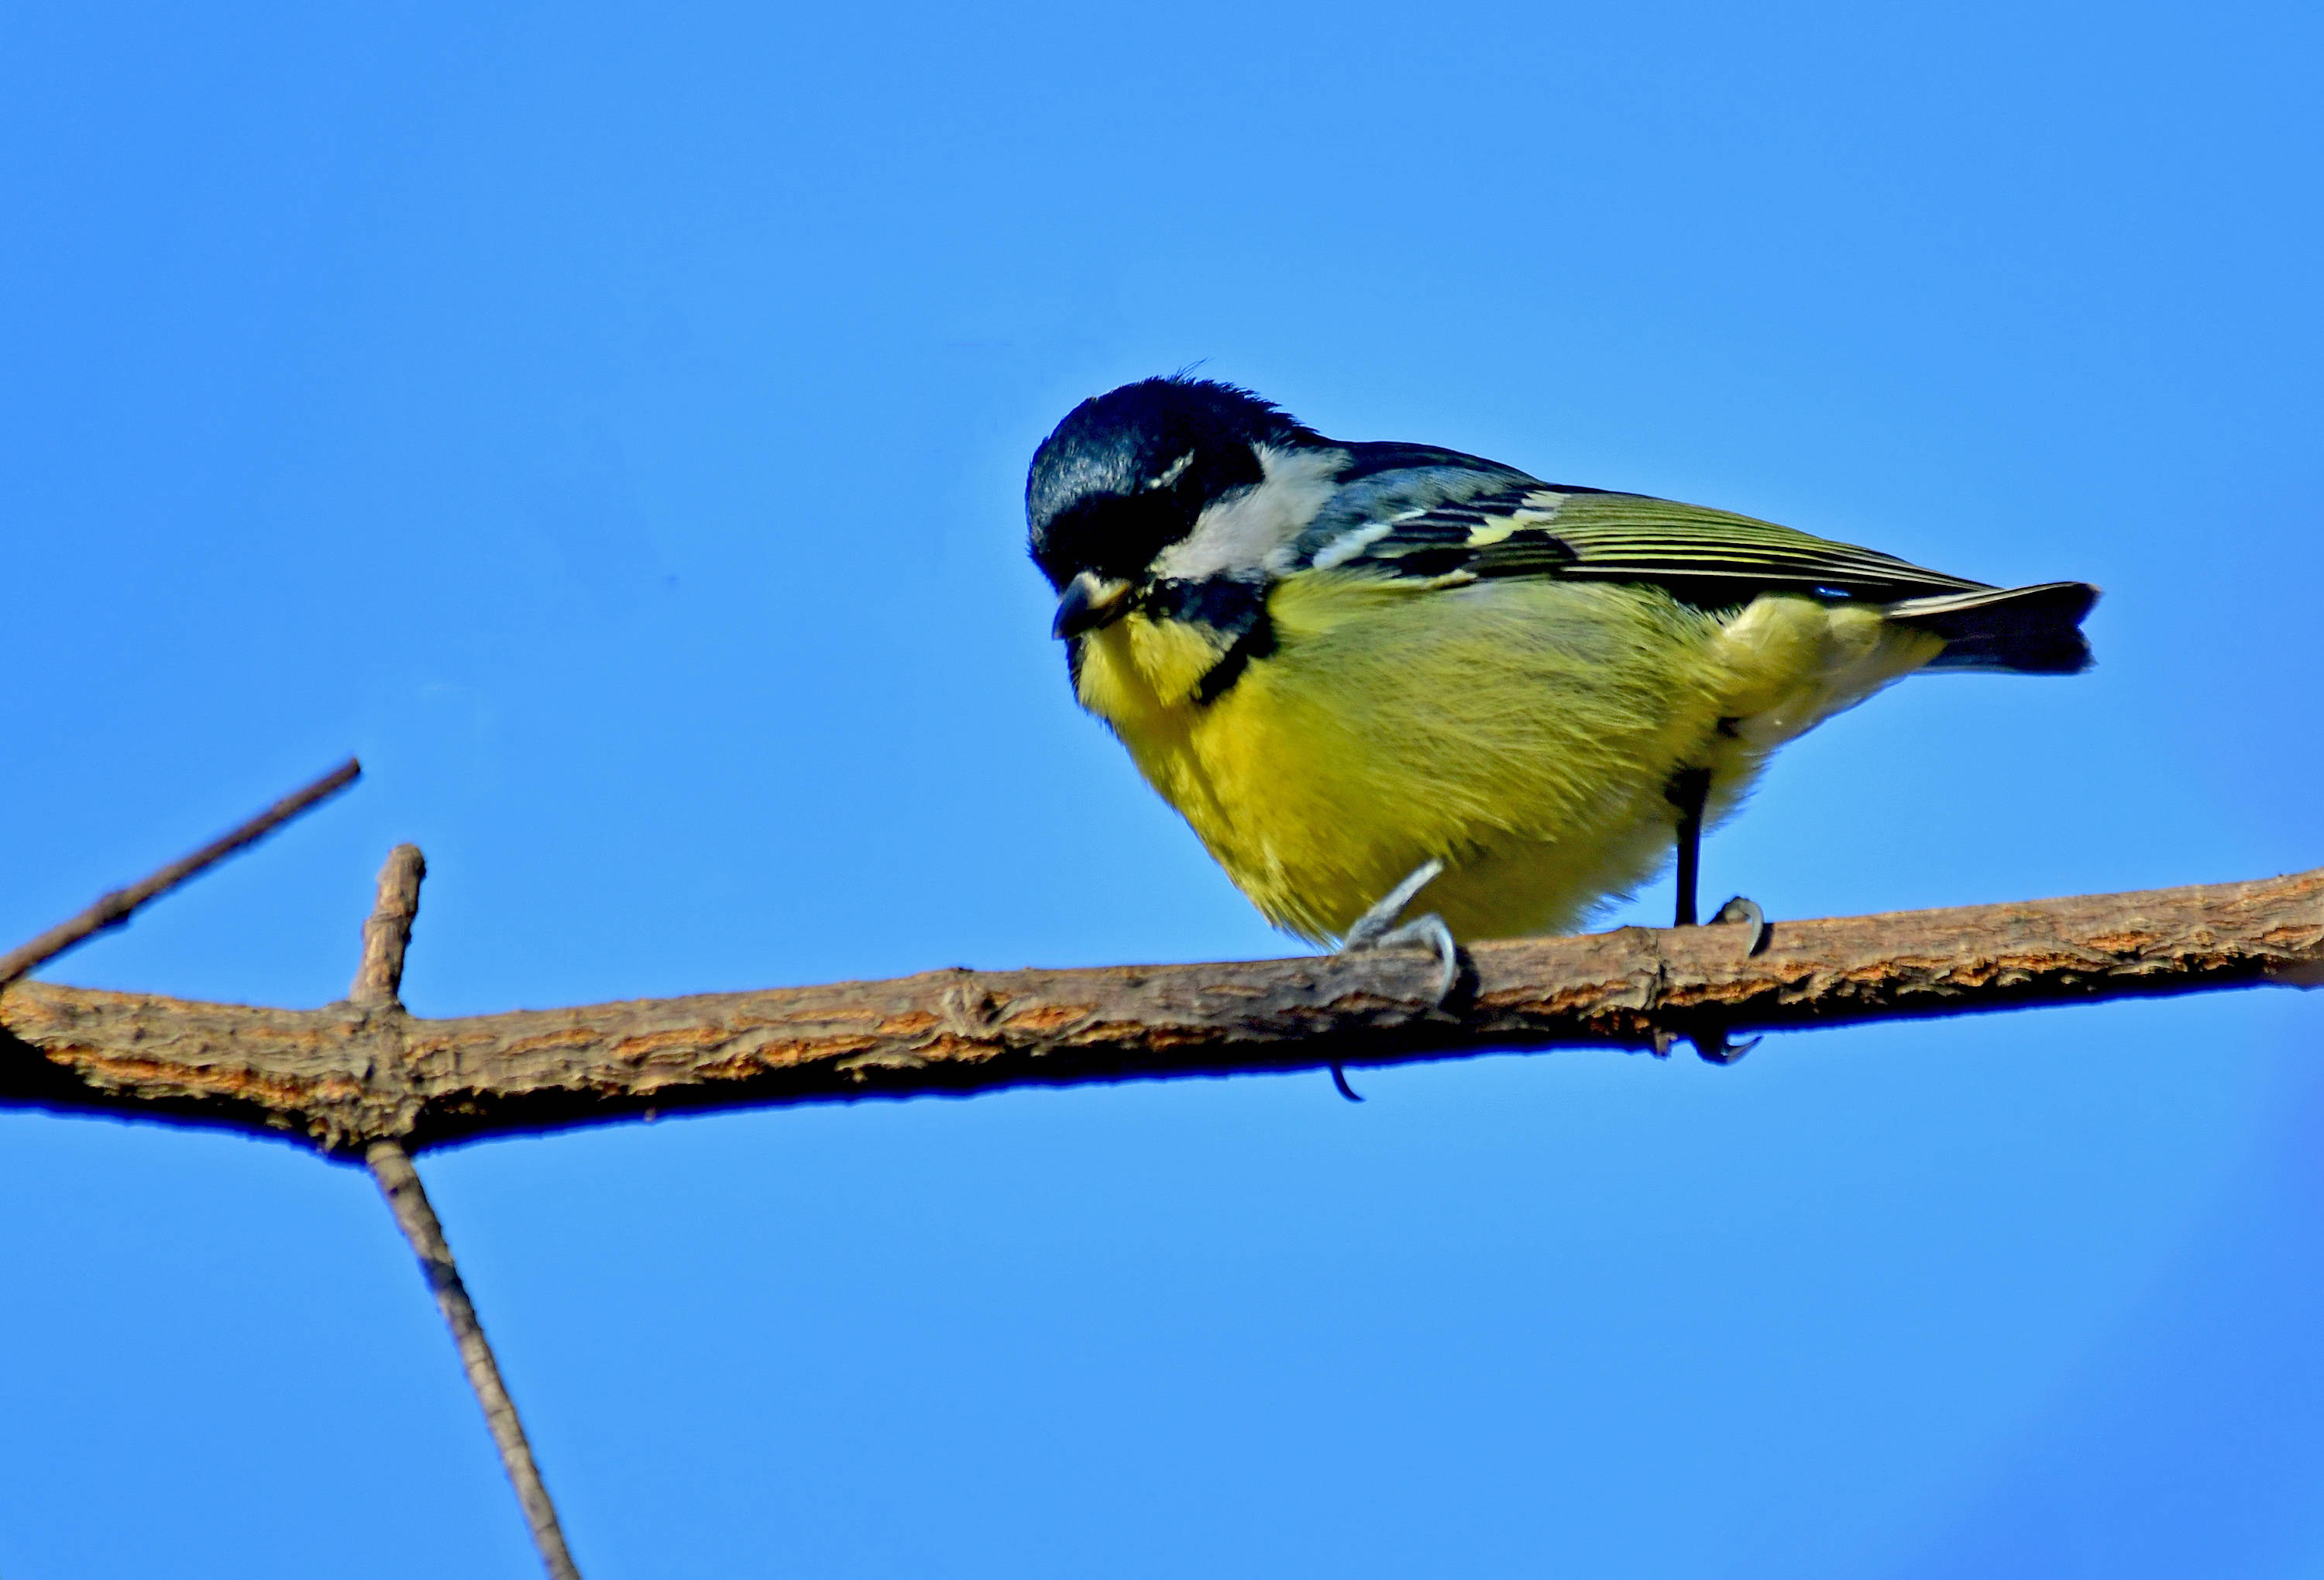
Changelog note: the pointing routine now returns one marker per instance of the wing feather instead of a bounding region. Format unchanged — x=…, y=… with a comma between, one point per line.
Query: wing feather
x=1458, y=524
x=1630, y=537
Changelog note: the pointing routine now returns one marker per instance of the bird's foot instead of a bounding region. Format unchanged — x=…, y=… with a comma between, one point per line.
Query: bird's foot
x=1712, y=1047
x=1711, y=1043
x=1745, y=911
x=1377, y=928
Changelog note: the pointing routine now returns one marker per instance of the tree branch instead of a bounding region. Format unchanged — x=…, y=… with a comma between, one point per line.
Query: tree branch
x=340, y=1077
x=113, y=910
x=399, y=1182
x=387, y=932
x=379, y=976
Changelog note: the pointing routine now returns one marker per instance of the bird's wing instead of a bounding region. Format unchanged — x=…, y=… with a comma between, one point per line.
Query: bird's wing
x=1455, y=523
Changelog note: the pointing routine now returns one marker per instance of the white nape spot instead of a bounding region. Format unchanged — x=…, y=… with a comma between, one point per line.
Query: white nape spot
x=1348, y=545
x=1172, y=472
x=1240, y=530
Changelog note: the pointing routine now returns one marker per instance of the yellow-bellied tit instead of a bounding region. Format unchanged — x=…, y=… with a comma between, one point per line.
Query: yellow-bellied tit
x=1359, y=668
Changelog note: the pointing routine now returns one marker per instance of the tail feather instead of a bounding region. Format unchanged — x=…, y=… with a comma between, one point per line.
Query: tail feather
x=2017, y=631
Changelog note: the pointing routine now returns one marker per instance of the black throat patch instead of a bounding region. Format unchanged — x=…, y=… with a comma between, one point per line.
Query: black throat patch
x=1234, y=607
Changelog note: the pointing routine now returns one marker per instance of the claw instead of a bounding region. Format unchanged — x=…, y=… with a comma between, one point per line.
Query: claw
x=1746, y=911
x=1662, y=1043
x=1428, y=929
x=1713, y=1048
x=1340, y=1079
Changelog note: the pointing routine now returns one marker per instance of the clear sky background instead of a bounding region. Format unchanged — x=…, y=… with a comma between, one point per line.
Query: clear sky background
x=612, y=424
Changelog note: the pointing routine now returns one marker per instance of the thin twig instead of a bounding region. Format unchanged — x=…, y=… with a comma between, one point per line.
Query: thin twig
x=399, y=1181
x=379, y=979
x=379, y=976
x=114, y=908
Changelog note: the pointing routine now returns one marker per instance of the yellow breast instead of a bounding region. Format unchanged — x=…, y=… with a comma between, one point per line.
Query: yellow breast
x=1521, y=730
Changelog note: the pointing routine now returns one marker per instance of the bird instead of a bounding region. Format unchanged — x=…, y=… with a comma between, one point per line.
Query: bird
x=1368, y=674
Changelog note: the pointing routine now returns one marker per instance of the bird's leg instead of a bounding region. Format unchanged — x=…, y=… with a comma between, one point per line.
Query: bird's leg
x=1377, y=928
x=1687, y=790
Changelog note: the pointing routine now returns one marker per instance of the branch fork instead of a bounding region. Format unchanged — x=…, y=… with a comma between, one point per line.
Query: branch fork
x=365, y=1078
x=377, y=989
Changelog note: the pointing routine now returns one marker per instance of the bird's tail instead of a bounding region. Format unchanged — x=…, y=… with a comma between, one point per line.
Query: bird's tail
x=2016, y=631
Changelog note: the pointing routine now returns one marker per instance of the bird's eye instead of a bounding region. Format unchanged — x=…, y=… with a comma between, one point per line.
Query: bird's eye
x=1115, y=535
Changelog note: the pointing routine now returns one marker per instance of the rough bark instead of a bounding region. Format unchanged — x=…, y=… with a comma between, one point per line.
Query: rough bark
x=379, y=976
x=387, y=932
x=340, y=1077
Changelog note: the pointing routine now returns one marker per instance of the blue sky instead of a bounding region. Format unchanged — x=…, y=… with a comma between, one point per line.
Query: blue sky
x=611, y=425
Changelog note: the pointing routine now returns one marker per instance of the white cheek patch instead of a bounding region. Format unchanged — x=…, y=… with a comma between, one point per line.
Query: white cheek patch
x=1243, y=530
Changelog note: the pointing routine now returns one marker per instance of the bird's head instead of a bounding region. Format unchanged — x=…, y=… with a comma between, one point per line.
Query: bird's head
x=1126, y=479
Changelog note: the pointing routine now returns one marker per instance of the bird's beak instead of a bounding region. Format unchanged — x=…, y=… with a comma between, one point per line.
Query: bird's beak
x=1088, y=602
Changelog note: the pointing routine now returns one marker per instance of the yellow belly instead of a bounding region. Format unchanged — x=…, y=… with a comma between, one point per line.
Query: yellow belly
x=1522, y=731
